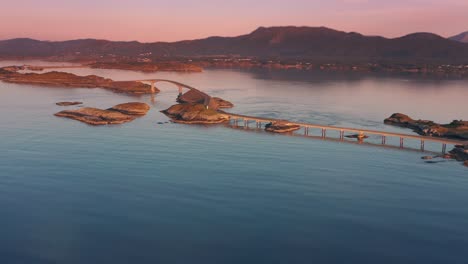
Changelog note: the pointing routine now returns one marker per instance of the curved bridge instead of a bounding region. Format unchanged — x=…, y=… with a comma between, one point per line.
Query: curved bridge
x=382, y=134
x=180, y=87
x=306, y=126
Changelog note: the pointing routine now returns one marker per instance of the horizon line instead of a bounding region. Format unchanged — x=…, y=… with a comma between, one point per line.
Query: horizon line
x=232, y=36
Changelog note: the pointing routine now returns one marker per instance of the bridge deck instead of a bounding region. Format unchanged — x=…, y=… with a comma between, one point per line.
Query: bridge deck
x=324, y=127
x=348, y=129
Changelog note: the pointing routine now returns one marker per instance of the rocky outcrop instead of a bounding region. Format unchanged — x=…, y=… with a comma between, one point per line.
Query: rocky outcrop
x=64, y=79
x=11, y=69
x=195, y=96
x=460, y=152
x=7, y=71
x=195, y=114
x=95, y=116
x=457, y=129
x=281, y=127
x=222, y=103
x=357, y=136
x=68, y=103
x=133, y=108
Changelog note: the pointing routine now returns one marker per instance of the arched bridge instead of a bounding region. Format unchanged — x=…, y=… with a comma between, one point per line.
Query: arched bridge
x=180, y=87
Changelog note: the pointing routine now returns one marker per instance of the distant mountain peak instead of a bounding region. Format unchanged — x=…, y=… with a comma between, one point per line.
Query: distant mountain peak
x=462, y=37
x=284, y=42
x=292, y=29
x=422, y=36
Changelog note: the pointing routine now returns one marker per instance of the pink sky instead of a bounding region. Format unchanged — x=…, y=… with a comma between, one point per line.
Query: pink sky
x=156, y=20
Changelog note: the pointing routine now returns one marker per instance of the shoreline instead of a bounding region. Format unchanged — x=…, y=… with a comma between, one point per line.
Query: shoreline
x=194, y=65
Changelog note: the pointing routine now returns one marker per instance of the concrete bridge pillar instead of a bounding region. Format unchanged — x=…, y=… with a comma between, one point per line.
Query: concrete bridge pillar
x=153, y=90
x=180, y=89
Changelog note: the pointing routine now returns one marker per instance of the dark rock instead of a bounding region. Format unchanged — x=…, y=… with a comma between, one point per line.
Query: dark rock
x=358, y=136
x=459, y=153
x=281, y=127
x=68, y=103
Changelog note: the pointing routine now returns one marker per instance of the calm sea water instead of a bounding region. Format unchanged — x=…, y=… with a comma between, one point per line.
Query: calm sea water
x=145, y=192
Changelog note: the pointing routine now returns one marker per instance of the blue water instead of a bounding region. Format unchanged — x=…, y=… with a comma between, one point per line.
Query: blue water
x=144, y=192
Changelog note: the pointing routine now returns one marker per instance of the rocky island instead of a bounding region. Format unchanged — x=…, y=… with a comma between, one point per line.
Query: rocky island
x=195, y=114
x=118, y=114
x=68, y=103
x=63, y=79
x=281, y=127
x=457, y=129
x=460, y=153
x=196, y=107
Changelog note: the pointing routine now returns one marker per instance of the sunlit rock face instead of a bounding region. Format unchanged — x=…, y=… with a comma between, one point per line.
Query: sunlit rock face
x=118, y=114
x=281, y=127
x=194, y=96
x=457, y=129
x=133, y=108
x=68, y=103
x=195, y=114
x=222, y=103
x=64, y=79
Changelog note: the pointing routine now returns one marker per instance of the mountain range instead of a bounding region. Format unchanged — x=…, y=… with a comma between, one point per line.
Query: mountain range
x=311, y=43
x=462, y=37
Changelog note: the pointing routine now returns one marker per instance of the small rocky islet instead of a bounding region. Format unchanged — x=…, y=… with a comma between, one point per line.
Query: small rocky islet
x=68, y=103
x=457, y=129
x=195, y=114
x=118, y=114
x=460, y=153
x=281, y=127
x=11, y=74
x=196, y=107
